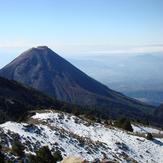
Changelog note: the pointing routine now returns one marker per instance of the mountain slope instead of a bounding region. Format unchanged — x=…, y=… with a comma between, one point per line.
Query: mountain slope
x=43, y=69
x=16, y=100
x=159, y=113
x=73, y=136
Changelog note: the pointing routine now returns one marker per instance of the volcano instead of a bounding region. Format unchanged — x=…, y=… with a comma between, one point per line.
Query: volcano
x=43, y=69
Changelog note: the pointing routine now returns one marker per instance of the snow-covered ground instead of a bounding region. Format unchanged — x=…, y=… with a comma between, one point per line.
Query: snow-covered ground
x=144, y=129
x=76, y=137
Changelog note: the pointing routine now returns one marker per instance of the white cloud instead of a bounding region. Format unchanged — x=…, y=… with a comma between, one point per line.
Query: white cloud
x=131, y=50
x=81, y=49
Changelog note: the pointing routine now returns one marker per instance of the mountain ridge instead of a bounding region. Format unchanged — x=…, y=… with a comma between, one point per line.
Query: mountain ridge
x=43, y=69
x=16, y=100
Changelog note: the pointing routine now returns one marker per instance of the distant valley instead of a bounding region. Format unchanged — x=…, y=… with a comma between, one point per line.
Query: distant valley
x=138, y=76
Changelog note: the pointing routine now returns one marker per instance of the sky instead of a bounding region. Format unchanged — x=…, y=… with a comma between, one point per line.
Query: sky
x=81, y=27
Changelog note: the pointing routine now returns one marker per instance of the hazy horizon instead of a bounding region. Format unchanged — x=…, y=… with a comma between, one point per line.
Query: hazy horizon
x=82, y=27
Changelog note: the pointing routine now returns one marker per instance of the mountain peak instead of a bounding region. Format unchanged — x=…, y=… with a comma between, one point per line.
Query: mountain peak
x=36, y=52
x=39, y=48
x=42, y=47
x=43, y=69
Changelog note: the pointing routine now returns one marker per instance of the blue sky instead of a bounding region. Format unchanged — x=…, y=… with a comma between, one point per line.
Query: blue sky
x=81, y=26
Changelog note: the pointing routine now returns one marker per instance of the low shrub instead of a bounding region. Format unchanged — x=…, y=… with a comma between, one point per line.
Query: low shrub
x=149, y=136
x=18, y=148
x=124, y=124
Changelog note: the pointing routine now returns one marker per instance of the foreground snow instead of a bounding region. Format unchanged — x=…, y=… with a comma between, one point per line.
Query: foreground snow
x=145, y=129
x=76, y=137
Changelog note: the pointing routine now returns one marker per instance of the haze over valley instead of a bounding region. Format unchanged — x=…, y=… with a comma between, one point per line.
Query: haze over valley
x=136, y=75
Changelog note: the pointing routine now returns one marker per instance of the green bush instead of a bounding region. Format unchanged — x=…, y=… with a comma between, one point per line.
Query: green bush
x=18, y=148
x=43, y=155
x=98, y=120
x=2, y=158
x=149, y=136
x=33, y=159
x=127, y=126
x=124, y=124
x=57, y=156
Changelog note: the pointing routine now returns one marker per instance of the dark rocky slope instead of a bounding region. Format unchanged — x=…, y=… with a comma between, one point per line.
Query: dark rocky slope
x=16, y=100
x=159, y=114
